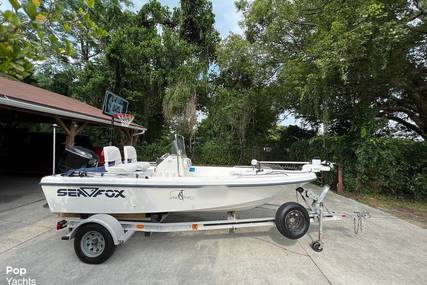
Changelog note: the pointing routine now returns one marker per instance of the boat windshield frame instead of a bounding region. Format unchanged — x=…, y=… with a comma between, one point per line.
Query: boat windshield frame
x=178, y=146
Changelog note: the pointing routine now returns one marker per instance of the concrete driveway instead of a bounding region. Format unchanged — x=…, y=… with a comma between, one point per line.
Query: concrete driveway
x=392, y=251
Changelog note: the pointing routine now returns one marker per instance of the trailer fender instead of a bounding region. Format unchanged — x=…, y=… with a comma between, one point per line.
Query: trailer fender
x=107, y=221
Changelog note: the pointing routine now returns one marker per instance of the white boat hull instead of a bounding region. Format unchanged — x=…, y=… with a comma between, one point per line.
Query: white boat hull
x=110, y=195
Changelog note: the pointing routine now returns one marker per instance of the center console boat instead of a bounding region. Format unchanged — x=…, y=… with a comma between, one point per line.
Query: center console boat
x=172, y=184
x=102, y=199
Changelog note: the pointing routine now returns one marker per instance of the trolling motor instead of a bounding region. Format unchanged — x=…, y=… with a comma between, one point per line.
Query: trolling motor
x=315, y=165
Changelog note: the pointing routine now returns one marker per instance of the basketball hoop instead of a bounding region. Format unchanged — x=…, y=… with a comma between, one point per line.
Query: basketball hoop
x=124, y=119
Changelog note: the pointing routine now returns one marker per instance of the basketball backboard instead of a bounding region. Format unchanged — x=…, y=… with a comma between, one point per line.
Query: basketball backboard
x=114, y=104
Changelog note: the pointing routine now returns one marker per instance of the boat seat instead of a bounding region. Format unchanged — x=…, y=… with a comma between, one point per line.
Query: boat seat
x=113, y=161
x=131, y=158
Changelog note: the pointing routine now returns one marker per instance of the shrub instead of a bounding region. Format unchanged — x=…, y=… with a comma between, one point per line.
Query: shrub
x=215, y=153
x=378, y=165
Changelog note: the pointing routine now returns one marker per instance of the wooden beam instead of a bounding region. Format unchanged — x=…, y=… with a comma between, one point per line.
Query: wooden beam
x=63, y=125
x=71, y=129
x=81, y=127
x=72, y=135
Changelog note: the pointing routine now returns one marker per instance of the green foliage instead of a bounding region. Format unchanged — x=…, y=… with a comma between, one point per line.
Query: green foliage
x=240, y=108
x=37, y=30
x=396, y=167
x=282, y=138
x=17, y=51
x=215, y=152
x=187, y=87
x=145, y=57
x=376, y=165
x=152, y=151
x=333, y=59
x=197, y=26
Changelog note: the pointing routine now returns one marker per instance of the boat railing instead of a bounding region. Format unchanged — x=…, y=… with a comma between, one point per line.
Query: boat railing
x=315, y=164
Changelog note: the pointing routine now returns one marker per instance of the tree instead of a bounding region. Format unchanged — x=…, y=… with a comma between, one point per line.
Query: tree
x=334, y=60
x=16, y=48
x=188, y=86
x=240, y=108
x=91, y=36
x=35, y=30
x=159, y=72
x=197, y=22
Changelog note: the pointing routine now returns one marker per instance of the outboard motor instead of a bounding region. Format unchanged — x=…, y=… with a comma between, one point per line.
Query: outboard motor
x=75, y=157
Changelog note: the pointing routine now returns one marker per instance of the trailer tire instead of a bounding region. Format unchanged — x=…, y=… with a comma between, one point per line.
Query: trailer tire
x=292, y=220
x=93, y=243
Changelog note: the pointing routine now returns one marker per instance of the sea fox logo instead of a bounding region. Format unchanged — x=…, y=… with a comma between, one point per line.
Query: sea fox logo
x=180, y=195
x=90, y=192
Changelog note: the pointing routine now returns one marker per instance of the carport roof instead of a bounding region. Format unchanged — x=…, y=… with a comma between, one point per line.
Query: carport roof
x=29, y=98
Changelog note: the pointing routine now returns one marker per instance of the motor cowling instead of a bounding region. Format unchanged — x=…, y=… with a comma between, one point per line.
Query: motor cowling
x=76, y=157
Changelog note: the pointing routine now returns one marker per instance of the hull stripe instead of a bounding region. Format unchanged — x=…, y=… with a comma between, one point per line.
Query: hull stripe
x=175, y=185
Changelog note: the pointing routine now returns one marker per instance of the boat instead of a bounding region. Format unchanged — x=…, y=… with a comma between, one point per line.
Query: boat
x=109, y=200
x=172, y=184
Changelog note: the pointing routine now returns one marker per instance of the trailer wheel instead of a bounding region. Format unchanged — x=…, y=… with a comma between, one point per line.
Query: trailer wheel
x=93, y=243
x=292, y=220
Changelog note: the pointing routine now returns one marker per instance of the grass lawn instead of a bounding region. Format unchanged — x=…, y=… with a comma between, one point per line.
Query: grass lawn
x=412, y=211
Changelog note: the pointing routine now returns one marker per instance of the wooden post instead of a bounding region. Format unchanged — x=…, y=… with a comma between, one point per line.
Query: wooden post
x=71, y=135
x=340, y=187
x=71, y=129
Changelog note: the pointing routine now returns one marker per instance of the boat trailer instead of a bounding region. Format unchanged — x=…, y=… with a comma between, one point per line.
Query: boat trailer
x=97, y=236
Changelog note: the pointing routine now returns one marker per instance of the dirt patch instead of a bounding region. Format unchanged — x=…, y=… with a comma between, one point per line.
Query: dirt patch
x=414, y=212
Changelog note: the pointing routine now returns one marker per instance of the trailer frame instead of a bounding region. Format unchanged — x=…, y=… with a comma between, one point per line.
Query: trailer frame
x=122, y=230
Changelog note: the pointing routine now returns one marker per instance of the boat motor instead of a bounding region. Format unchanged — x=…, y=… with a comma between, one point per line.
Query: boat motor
x=76, y=157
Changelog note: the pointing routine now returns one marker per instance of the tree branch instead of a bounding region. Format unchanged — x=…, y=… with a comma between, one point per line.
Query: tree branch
x=405, y=123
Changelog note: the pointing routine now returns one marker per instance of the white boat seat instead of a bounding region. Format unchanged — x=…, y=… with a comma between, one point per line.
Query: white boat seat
x=131, y=158
x=113, y=161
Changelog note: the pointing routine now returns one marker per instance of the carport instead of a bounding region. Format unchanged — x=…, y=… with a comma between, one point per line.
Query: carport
x=25, y=105
x=21, y=102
